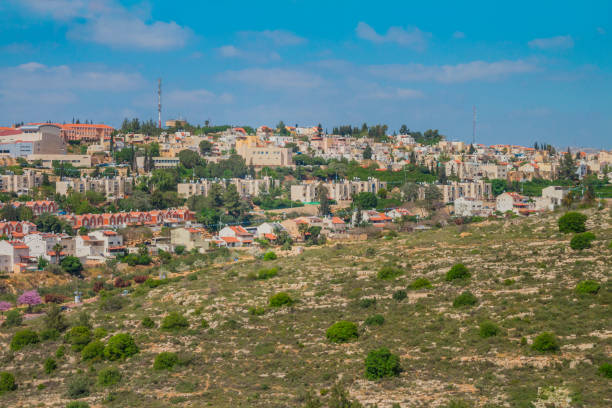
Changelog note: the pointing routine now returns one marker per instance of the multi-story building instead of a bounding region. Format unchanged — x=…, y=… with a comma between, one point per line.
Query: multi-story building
x=337, y=190
x=468, y=207
x=111, y=187
x=247, y=187
x=14, y=256
x=32, y=139
x=20, y=183
x=84, y=132
x=77, y=160
x=479, y=190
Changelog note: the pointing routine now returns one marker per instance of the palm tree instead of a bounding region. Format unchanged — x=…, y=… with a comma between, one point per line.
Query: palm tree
x=57, y=248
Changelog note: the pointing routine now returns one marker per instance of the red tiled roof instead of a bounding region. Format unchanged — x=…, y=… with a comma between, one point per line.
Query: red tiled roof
x=271, y=237
x=230, y=239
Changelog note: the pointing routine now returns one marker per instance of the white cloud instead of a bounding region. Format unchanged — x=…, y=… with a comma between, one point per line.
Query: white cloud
x=560, y=42
x=414, y=38
x=109, y=23
x=279, y=38
x=459, y=35
x=397, y=93
x=471, y=71
x=275, y=78
x=231, y=51
x=197, y=96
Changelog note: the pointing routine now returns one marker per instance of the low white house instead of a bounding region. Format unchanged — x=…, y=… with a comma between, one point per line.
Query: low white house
x=467, y=207
x=236, y=236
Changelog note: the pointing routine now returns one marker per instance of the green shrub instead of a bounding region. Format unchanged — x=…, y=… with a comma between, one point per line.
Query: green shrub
x=389, y=272
x=587, y=287
x=572, y=222
x=79, y=337
x=78, y=387
x=606, y=370
x=23, y=338
x=267, y=273
x=175, y=321
x=420, y=283
x=488, y=329
x=375, y=320
x=99, y=332
x=582, y=241
x=77, y=404
x=465, y=299
x=367, y=302
x=109, y=376
x=458, y=271
x=120, y=346
x=400, y=295
x=112, y=303
x=49, y=334
x=281, y=299
x=148, y=323
x=165, y=361
x=93, y=351
x=269, y=256
x=457, y=404
x=546, y=343
x=50, y=365
x=7, y=382
x=342, y=332
x=381, y=363
x=257, y=311
x=13, y=319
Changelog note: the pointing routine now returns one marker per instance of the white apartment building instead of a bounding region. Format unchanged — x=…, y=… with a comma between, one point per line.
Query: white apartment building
x=20, y=183
x=111, y=187
x=474, y=189
x=246, y=187
x=468, y=207
x=339, y=191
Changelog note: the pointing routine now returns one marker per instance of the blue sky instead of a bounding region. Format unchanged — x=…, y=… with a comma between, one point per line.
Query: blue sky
x=535, y=70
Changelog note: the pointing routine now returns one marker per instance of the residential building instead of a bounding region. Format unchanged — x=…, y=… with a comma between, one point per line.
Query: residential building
x=84, y=132
x=20, y=183
x=14, y=256
x=40, y=207
x=16, y=229
x=236, y=236
x=339, y=191
x=247, y=187
x=190, y=238
x=77, y=160
x=111, y=187
x=513, y=202
x=32, y=139
x=112, y=242
x=479, y=190
x=468, y=207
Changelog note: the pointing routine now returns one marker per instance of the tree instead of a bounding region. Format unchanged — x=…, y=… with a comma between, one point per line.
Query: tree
x=30, y=298
x=72, y=265
x=567, y=167
x=189, y=159
x=232, y=202
x=365, y=200
x=381, y=363
x=205, y=147
x=432, y=195
x=57, y=249
x=282, y=129
x=410, y=191
x=404, y=130
x=572, y=222
x=322, y=195
x=367, y=153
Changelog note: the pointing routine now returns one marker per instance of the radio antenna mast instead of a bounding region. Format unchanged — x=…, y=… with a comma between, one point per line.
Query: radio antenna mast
x=159, y=103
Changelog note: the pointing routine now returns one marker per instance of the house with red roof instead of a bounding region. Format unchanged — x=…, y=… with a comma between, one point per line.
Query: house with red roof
x=236, y=236
x=15, y=256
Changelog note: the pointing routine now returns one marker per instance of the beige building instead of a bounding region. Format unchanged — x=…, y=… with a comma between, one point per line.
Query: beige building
x=478, y=190
x=260, y=154
x=247, y=187
x=190, y=238
x=115, y=187
x=77, y=160
x=20, y=183
x=338, y=191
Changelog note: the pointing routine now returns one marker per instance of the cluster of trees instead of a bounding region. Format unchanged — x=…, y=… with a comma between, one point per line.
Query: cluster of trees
x=429, y=137
x=136, y=126
x=377, y=132
x=220, y=206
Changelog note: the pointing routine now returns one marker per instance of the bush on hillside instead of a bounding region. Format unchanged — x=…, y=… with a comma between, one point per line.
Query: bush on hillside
x=606, y=370
x=458, y=271
x=367, y=302
x=165, y=361
x=465, y=299
x=420, y=283
x=281, y=299
x=381, y=363
x=77, y=404
x=50, y=365
x=572, y=222
x=375, y=320
x=148, y=322
x=582, y=241
x=93, y=351
x=78, y=387
x=342, y=332
x=587, y=287
x=389, y=272
x=546, y=343
x=174, y=321
x=488, y=329
x=13, y=319
x=109, y=376
x=23, y=338
x=7, y=382
x=79, y=337
x=269, y=256
x=400, y=295
x=267, y=273
x=49, y=334
x=120, y=346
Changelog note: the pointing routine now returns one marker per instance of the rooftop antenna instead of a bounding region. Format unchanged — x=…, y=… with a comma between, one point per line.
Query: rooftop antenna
x=473, y=124
x=159, y=103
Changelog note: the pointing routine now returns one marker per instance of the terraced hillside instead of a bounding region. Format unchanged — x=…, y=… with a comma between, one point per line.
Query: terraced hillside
x=235, y=350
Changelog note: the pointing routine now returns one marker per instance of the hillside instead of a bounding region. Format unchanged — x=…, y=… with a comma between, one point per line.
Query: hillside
x=240, y=352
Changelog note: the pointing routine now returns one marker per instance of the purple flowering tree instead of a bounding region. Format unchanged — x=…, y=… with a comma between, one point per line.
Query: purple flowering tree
x=4, y=306
x=30, y=298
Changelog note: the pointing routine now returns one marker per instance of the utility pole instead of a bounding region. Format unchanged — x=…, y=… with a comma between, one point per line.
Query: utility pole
x=159, y=106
